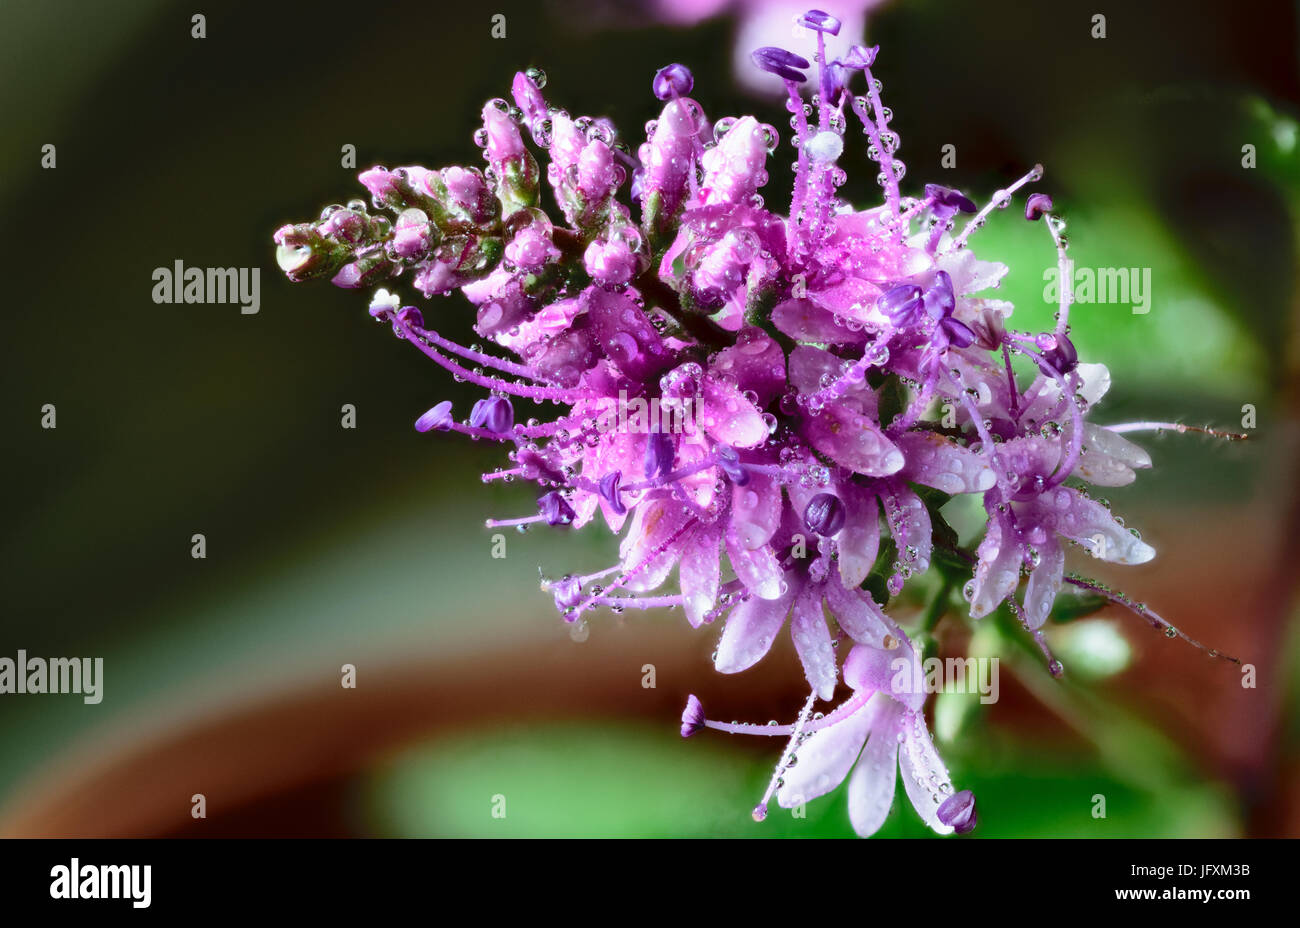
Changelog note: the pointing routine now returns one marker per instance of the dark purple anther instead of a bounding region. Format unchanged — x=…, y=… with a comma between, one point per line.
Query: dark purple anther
x=609, y=491
x=1036, y=205
x=938, y=297
x=824, y=514
x=780, y=62
x=900, y=303
x=659, y=453
x=672, y=81
x=729, y=464
x=1064, y=357
x=567, y=592
x=494, y=414
x=692, y=717
x=821, y=22
x=555, y=508
x=948, y=201
x=958, y=812
x=958, y=333
x=439, y=417
x=411, y=317
x=860, y=56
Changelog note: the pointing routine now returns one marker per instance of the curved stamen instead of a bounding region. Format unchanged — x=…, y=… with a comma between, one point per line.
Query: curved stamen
x=1141, y=609
x=1000, y=199
x=1175, y=427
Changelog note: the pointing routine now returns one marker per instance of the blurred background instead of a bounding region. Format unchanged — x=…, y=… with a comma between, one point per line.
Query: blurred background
x=329, y=546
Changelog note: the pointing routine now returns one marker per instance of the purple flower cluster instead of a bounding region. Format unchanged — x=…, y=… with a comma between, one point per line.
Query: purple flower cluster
x=831, y=375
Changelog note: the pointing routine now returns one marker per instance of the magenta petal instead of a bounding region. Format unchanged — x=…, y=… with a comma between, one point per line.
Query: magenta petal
x=729, y=417
x=751, y=629
x=812, y=641
x=756, y=364
x=854, y=441
x=805, y=321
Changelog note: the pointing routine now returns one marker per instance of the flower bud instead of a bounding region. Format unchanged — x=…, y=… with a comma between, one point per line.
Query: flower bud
x=598, y=174
x=412, y=237
x=529, y=99
x=669, y=160
x=532, y=248
x=824, y=514
x=672, y=81
x=734, y=168
x=610, y=263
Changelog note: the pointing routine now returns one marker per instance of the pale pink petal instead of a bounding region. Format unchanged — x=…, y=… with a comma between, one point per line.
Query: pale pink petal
x=924, y=775
x=1091, y=524
x=1108, y=459
x=812, y=641
x=751, y=628
x=826, y=757
x=758, y=569
x=653, y=528
x=854, y=441
x=909, y=523
x=857, y=613
x=730, y=418
x=998, y=572
x=859, y=540
x=699, y=572
x=895, y=670
x=756, y=511
x=1044, y=583
x=938, y=462
x=871, y=787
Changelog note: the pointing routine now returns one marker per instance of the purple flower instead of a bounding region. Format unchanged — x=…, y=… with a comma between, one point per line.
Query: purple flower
x=769, y=403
